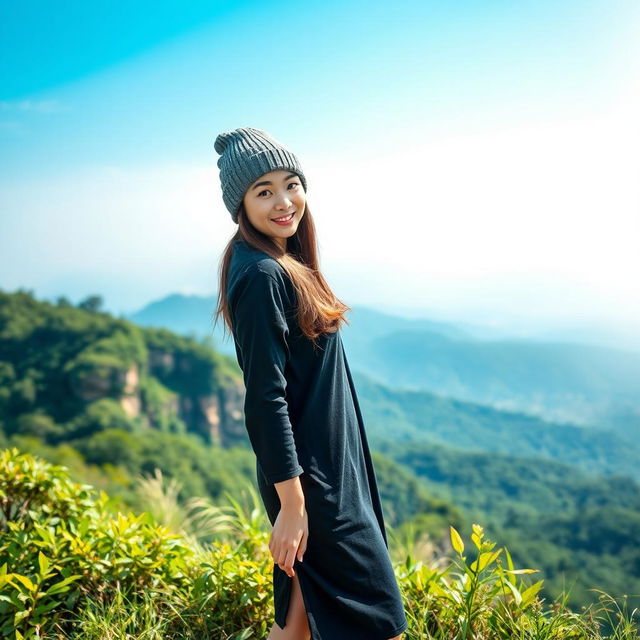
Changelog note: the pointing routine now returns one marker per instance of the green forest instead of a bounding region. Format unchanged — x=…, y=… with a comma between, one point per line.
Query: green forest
x=115, y=405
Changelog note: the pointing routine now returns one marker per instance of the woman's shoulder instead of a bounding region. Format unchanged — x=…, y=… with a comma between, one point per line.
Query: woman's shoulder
x=247, y=261
x=251, y=268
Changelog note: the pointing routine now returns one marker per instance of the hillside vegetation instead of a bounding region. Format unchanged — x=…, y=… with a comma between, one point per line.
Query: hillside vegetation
x=115, y=403
x=422, y=416
x=72, y=567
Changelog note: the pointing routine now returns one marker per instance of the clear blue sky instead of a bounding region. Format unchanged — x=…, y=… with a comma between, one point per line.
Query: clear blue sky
x=108, y=112
x=152, y=81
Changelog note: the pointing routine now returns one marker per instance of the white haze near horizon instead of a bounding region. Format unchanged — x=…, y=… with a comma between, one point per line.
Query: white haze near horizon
x=531, y=226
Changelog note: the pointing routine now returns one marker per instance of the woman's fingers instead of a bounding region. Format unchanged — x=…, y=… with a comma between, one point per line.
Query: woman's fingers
x=303, y=544
x=291, y=556
x=285, y=561
x=289, y=571
x=285, y=557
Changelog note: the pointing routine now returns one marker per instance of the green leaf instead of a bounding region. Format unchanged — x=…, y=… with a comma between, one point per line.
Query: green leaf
x=530, y=593
x=456, y=540
x=25, y=581
x=521, y=570
x=43, y=608
x=516, y=594
x=43, y=563
x=61, y=586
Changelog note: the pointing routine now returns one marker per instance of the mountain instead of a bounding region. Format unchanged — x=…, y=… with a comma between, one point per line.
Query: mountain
x=579, y=383
x=188, y=315
x=416, y=417
x=586, y=384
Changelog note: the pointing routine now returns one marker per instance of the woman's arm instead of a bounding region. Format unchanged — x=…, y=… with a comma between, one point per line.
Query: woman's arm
x=260, y=328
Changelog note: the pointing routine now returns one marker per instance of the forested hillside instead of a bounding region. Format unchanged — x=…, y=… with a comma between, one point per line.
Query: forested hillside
x=427, y=417
x=576, y=526
x=68, y=372
x=113, y=401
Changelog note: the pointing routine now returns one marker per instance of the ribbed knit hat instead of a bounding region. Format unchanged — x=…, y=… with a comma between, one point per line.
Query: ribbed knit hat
x=245, y=155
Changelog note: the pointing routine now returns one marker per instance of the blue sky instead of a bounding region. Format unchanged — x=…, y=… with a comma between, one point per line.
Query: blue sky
x=464, y=159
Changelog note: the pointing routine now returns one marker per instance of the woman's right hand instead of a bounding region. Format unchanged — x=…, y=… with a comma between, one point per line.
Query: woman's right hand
x=289, y=537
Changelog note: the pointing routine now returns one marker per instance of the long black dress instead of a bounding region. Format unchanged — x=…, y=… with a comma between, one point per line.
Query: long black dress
x=303, y=419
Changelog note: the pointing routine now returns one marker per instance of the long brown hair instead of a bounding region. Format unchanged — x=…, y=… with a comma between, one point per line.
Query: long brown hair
x=318, y=309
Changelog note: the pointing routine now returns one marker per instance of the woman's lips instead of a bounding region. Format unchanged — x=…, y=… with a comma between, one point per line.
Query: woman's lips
x=283, y=221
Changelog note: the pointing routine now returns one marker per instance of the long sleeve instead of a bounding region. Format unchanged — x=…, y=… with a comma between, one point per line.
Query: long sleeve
x=260, y=330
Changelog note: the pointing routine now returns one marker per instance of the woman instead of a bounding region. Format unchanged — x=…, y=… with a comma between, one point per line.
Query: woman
x=332, y=574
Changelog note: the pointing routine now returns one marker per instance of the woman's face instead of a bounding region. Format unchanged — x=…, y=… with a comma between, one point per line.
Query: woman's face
x=269, y=201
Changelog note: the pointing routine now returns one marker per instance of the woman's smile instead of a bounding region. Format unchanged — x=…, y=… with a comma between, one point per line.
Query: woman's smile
x=284, y=220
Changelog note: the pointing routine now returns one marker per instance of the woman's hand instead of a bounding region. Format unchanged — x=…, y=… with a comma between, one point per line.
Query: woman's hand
x=289, y=536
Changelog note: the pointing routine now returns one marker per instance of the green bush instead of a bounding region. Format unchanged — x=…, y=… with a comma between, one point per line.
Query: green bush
x=71, y=568
x=60, y=545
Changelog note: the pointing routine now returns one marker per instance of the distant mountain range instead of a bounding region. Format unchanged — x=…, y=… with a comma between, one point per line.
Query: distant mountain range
x=558, y=381
x=421, y=420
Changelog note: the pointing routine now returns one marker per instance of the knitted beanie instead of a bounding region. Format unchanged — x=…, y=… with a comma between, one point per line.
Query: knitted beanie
x=246, y=154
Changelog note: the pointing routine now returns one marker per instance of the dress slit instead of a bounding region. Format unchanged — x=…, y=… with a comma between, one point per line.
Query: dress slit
x=310, y=619
x=287, y=592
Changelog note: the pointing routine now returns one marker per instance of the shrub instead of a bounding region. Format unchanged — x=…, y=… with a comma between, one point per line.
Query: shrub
x=60, y=545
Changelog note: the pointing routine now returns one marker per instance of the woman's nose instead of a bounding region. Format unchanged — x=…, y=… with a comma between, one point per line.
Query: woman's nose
x=284, y=202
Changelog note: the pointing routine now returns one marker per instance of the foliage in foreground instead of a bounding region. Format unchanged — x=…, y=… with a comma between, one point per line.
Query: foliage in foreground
x=70, y=568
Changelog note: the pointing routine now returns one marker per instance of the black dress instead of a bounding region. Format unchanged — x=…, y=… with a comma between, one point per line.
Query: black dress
x=303, y=419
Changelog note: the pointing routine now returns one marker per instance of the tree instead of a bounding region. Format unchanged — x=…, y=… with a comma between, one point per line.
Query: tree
x=92, y=304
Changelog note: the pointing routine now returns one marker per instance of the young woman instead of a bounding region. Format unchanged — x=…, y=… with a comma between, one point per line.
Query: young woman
x=332, y=574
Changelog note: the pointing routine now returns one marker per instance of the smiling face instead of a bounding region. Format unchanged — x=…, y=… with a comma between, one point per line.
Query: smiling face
x=269, y=201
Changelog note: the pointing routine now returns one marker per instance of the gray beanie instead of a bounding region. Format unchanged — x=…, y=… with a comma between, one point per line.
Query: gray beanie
x=245, y=155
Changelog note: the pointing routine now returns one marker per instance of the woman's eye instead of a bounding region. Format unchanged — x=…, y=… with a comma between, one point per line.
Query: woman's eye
x=291, y=184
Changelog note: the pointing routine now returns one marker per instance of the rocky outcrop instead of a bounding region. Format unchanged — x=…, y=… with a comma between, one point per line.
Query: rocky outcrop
x=130, y=400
